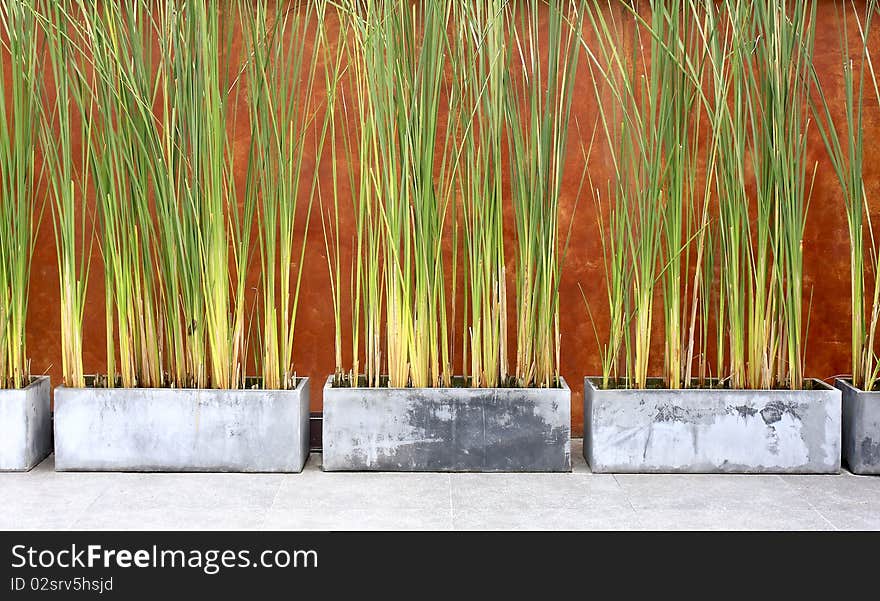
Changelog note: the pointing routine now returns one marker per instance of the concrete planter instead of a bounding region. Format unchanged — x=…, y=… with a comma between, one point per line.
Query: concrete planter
x=861, y=429
x=181, y=430
x=25, y=426
x=712, y=431
x=447, y=429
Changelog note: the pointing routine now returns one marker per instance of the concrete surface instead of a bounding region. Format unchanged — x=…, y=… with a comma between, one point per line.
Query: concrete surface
x=180, y=430
x=861, y=429
x=44, y=499
x=25, y=426
x=447, y=429
x=713, y=431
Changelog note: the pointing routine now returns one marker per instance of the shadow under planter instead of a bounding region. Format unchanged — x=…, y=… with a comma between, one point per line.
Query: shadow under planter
x=25, y=425
x=182, y=430
x=454, y=429
x=861, y=429
x=658, y=430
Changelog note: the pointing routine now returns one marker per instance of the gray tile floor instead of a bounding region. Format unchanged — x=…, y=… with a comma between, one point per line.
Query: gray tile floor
x=44, y=499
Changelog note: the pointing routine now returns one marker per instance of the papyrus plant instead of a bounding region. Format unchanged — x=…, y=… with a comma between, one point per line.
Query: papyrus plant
x=19, y=209
x=844, y=141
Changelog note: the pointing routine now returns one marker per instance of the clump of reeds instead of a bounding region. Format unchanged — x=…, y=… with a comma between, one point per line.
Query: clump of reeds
x=152, y=88
x=845, y=144
x=427, y=188
x=742, y=69
x=20, y=211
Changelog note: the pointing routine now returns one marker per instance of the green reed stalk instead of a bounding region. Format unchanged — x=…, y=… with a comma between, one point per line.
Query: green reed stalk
x=281, y=73
x=616, y=264
x=19, y=216
x=726, y=39
x=165, y=195
x=760, y=60
x=366, y=283
x=699, y=224
x=659, y=219
x=206, y=107
x=124, y=92
x=538, y=110
x=481, y=56
x=678, y=139
x=615, y=249
x=196, y=200
x=780, y=80
x=640, y=128
x=845, y=145
x=399, y=55
x=68, y=176
x=334, y=77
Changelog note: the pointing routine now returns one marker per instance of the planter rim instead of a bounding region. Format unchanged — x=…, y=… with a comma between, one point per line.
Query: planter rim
x=823, y=387
x=848, y=383
x=563, y=387
x=300, y=383
x=35, y=381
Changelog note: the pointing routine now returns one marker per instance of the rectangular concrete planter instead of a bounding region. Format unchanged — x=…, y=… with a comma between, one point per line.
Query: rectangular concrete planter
x=712, y=431
x=181, y=430
x=447, y=429
x=25, y=426
x=861, y=429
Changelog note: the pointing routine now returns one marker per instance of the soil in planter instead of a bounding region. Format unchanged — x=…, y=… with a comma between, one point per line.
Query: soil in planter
x=659, y=384
x=850, y=383
x=344, y=381
x=251, y=383
x=9, y=386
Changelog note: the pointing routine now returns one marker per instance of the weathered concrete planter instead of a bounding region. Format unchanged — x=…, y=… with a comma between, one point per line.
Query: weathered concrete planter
x=181, y=430
x=447, y=429
x=861, y=429
x=712, y=431
x=25, y=426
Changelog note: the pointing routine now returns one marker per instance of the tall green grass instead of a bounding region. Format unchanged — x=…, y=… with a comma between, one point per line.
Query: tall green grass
x=153, y=87
x=120, y=53
x=740, y=73
x=779, y=78
x=537, y=106
x=426, y=189
x=282, y=76
x=20, y=210
x=164, y=193
x=397, y=58
x=481, y=54
x=68, y=110
x=845, y=144
x=647, y=61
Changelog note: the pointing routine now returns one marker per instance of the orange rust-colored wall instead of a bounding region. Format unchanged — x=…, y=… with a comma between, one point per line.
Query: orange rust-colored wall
x=825, y=247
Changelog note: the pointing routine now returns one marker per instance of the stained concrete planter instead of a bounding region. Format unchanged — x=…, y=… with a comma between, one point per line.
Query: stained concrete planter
x=447, y=429
x=712, y=431
x=181, y=430
x=861, y=429
x=25, y=426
